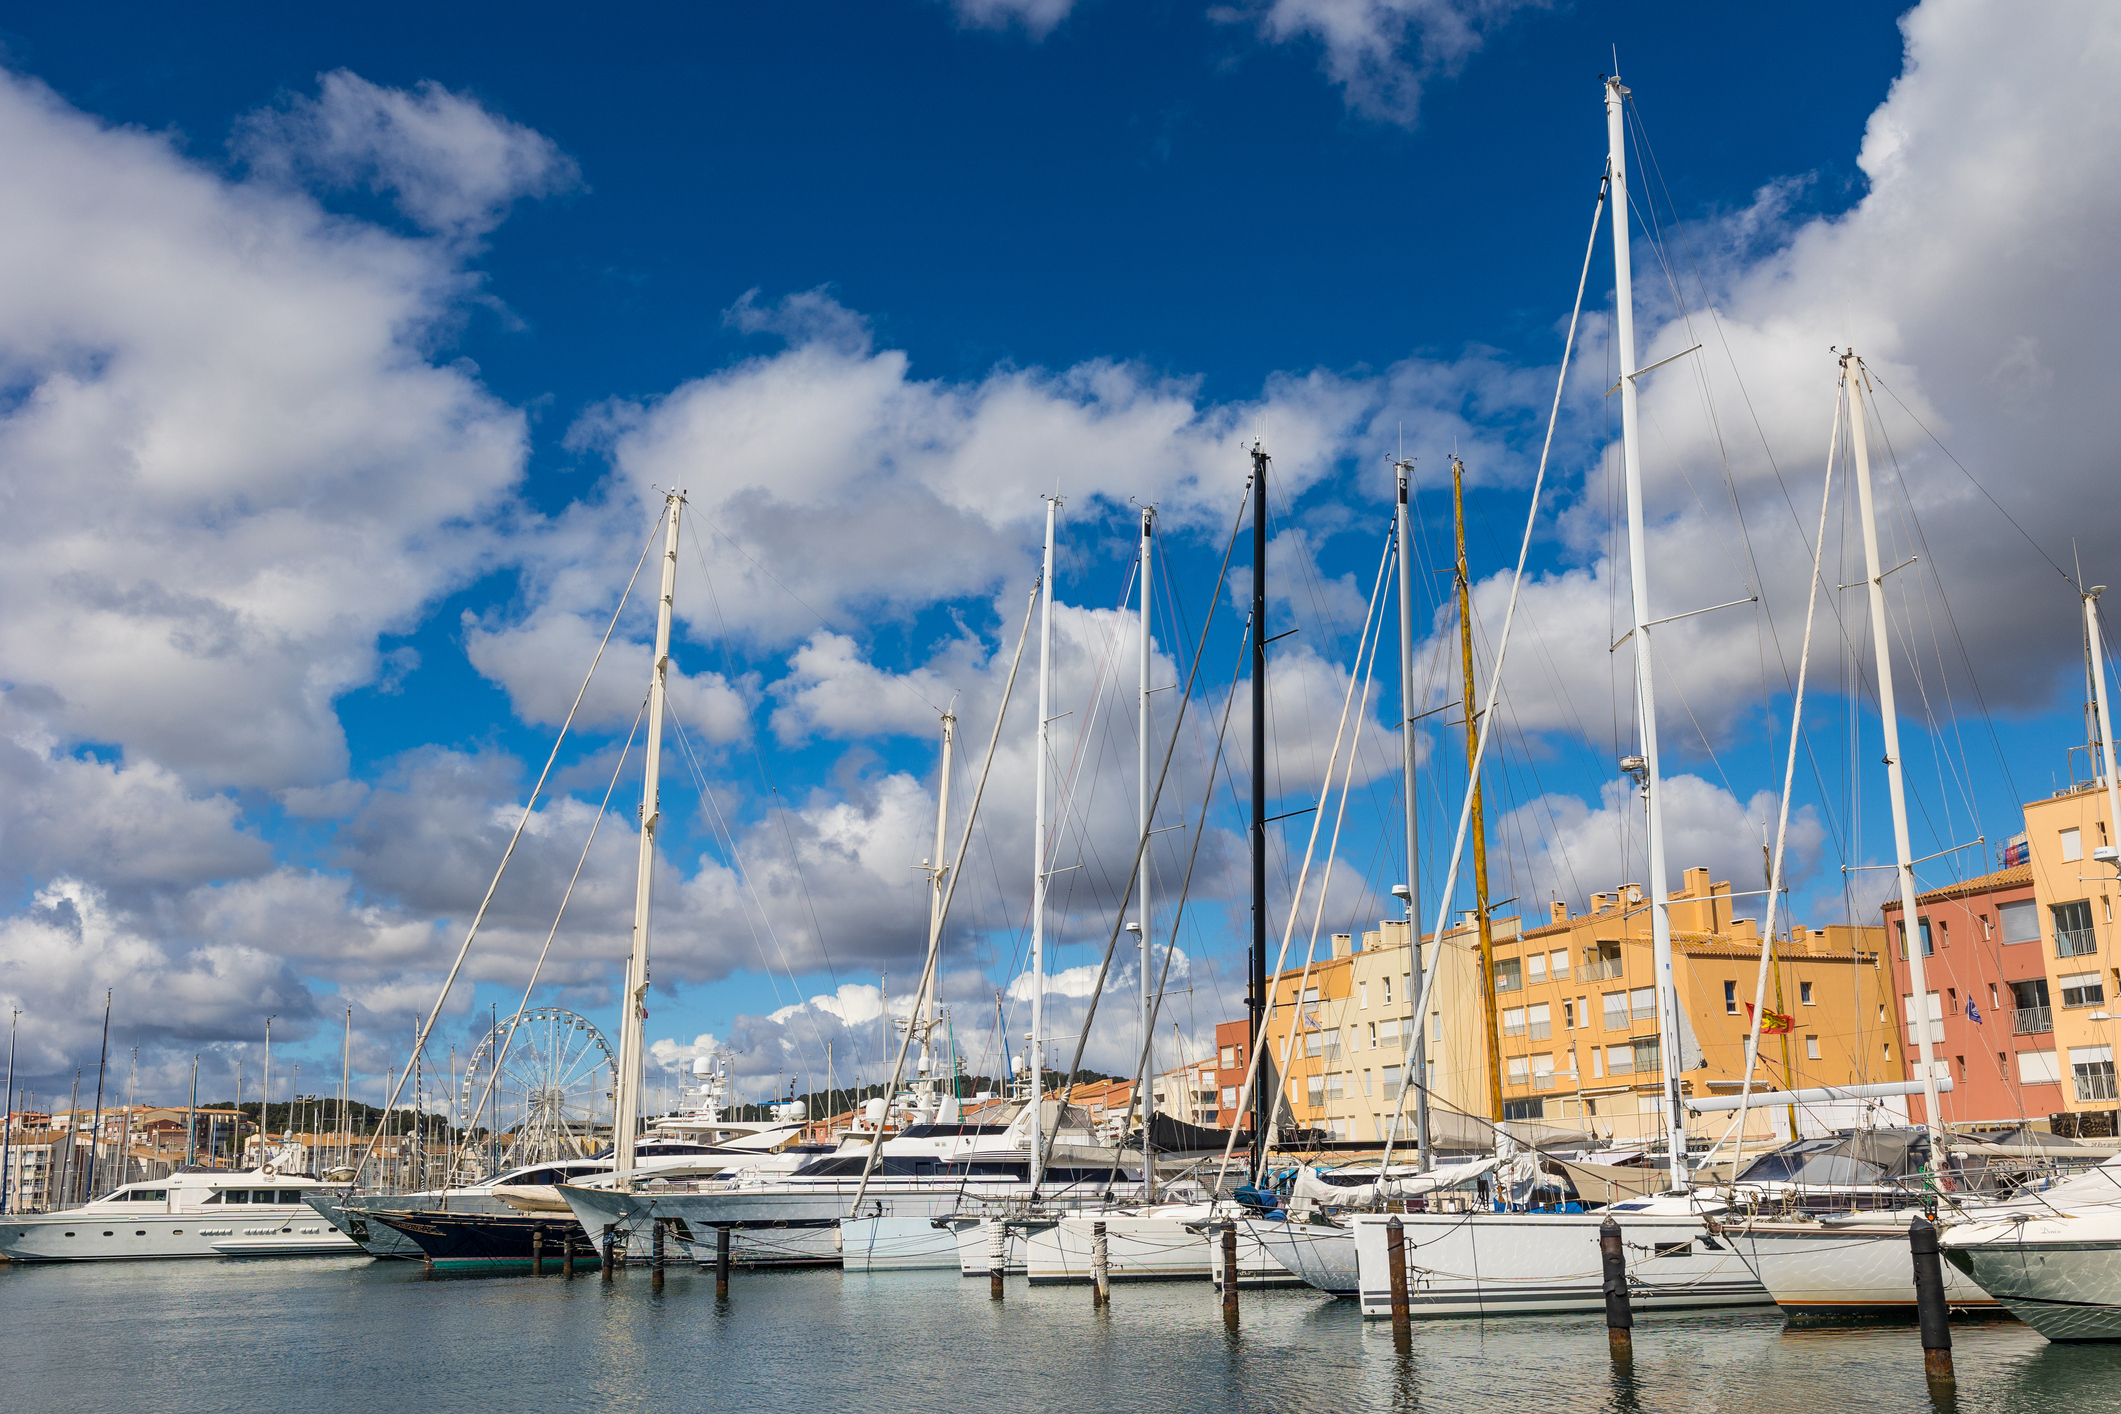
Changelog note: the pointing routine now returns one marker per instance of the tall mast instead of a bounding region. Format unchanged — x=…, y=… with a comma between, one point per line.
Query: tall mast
x=1038, y=853
x=1881, y=649
x=191, y=1113
x=1464, y=586
x=633, y=1013
x=1148, y=1069
x=2105, y=720
x=345, y=1085
x=936, y=878
x=1416, y=1062
x=1639, y=602
x=95, y=1130
x=7, y=1120
x=1256, y=995
x=265, y=1099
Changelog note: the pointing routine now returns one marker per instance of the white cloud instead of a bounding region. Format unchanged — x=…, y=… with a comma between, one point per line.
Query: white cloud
x=1037, y=18
x=1381, y=53
x=452, y=166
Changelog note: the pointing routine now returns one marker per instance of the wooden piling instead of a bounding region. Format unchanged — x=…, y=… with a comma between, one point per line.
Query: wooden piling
x=721, y=1263
x=997, y=1258
x=537, y=1251
x=1619, y=1311
x=1396, y=1269
x=567, y=1257
x=656, y=1233
x=1230, y=1274
x=1931, y=1310
x=611, y=1246
x=1100, y=1267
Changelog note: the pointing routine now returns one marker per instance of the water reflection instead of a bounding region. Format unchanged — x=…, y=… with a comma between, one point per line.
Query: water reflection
x=169, y=1335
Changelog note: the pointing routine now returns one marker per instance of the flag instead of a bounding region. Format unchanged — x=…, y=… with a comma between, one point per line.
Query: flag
x=1772, y=1023
x=1973, y=1013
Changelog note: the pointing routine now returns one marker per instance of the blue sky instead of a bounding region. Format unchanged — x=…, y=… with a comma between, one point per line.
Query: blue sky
x=348, y=355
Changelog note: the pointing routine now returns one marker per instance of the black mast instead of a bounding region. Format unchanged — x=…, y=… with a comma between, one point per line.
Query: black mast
x=1256, y=998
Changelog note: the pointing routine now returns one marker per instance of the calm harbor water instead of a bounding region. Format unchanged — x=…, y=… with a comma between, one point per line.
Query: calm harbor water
x=332, y=1334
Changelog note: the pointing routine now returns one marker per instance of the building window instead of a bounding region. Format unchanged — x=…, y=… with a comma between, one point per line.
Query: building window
x=2081, y=989
x=1543, y=1072
x=1387, y=985
x=1642, y=1003
x=1620, y=1060
x=1535, y=968
x=1520, y=1070
x=1616, y=1011
x=1730, y=998
x=1337, y=1086
x=1524, y=1109
x=1539, y=1021
x=2038, y=1068
x=1229, y=1097
x=2092, y=1068
x=1513, y=1022
x=1936, y=1017
x=1390, y=1077
x=2073, y=929
x=1373, y=1034
x=1804, y=993
x=1316, y=1091
x=2072, y=845
x=1646, y=1053
x=1568, y=1016
x=1560, y=963
x=1509, y=975
x=1362, y=994
x=1436, y=1026
x=1811, y=1048
x=2021, y=921
x=1366, y=1082
x=1929, y=948
x=1229, y=1057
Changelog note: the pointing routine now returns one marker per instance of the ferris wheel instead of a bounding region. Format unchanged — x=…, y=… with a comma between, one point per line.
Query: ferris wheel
x=551, y=1076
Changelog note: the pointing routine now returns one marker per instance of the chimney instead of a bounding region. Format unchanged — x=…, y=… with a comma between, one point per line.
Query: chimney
x=1343, y=944
x=1696, y=883
x=1601, y=902
x=1558, y=911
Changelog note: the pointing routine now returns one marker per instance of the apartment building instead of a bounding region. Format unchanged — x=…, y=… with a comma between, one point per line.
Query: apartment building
x=1577, y=1019
x=2075, y=891
x=1345, y=1036
x=1992, y=1000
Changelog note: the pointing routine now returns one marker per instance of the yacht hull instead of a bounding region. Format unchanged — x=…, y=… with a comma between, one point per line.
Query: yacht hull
x=897, y=1245
x=1495, y=1264
x=1854, y=1272
x=351, y=1217
x=488, y=1242
x=290, y=1231
x=975, y=1246
x=1142, y=1247
x=1323, y=1256
x=2065, y=1290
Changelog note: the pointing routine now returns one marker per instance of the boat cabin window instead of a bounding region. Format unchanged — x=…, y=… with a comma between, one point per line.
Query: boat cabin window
x=262, y=1195
x=142, y=1195
x=235, y=1195
x=536, y=1176
x=290, y=1195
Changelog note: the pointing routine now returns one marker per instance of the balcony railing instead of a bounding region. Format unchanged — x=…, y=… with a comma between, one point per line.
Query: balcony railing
x=1542, y=1080
x=1542, y=1030
x=2075, y=942
x=2032, y=1020
x=1599, y=971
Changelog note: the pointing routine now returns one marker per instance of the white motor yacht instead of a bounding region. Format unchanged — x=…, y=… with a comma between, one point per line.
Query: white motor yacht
x=259, y=1213
x=2054, y=1259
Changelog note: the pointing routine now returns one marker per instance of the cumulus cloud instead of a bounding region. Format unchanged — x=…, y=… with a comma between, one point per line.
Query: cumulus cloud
x=1381, y=53
x=1037, y=18
x=452, y=166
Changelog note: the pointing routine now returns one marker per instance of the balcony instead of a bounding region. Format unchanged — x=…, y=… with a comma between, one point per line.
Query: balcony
x=1541, y=1030
x=2032, y=1021
x=1542, y=1080
x=2075, y=942
x=1599, y=971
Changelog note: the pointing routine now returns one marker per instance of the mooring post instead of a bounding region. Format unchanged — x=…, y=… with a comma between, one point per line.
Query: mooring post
x=1619, y=1313
x=997, y=1257
x=1230, y=1274
x=721, y=1263
x=567, y=1257
x=655, y=1250
x=1100, y=1267
x=611, y=1248
x=1396, y=1269
x=1930, y=1308
x=537, y=1251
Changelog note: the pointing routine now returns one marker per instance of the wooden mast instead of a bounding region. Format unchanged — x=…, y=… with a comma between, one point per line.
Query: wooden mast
x=1480, y=833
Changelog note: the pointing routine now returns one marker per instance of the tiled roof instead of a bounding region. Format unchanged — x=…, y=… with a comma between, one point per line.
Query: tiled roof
x=2017, y=876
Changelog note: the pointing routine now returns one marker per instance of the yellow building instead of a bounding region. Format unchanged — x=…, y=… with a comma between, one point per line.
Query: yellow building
x=1578, y=1012
x=1352, y=1021
x=2079, y=945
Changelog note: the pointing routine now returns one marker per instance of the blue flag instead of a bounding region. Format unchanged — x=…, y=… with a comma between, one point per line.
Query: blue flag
x=1973, y=1013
